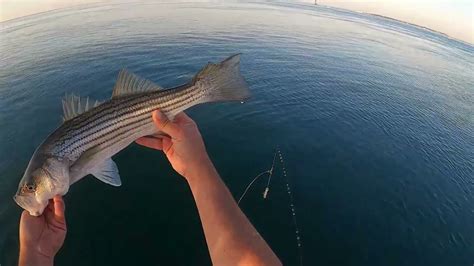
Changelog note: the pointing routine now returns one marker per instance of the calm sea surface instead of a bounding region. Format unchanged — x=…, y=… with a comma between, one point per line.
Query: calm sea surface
x=374, y=118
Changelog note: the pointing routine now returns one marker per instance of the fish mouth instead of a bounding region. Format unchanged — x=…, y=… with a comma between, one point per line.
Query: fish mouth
x=34, y=208
x=17, y=200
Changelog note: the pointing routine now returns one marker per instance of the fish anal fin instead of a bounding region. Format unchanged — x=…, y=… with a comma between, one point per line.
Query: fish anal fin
x=107, y=172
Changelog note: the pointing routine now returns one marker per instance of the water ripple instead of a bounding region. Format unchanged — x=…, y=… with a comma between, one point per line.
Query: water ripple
x=374, y=116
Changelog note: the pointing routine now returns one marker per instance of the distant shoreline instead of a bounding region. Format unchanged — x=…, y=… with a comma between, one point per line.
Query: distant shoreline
x=99, y=2
x=421, y=27
x=411, y=24
x=399, y=21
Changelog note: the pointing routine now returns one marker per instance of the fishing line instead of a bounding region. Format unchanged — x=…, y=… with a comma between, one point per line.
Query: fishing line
x=251, y=183
x=290, y=196
x=265, y=193
x=292, y=206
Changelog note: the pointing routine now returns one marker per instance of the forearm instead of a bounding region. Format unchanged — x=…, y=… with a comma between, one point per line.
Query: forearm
x=231, y=238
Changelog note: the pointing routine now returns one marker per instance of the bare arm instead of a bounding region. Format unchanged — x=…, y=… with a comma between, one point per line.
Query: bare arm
x=231, y=238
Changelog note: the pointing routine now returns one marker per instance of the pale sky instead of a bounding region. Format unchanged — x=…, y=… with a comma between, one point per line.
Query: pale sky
x=10, y=9
x=453, y=17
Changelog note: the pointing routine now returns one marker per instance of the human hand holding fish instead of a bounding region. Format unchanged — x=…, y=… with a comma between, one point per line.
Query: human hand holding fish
x=41, y=237
x=185, y=150
x=182, y=144
x=230, y=237
x=93, y=132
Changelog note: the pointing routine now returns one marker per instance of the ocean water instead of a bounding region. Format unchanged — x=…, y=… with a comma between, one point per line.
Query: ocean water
x=374, y=119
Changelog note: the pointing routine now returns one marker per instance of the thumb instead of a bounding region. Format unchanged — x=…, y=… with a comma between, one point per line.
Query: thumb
x=25, y=217
x=59, y=208
x=165, y=125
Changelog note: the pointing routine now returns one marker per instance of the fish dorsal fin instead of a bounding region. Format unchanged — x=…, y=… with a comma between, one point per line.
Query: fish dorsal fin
x=107, y=172
x=129, y=83
x=74, y=105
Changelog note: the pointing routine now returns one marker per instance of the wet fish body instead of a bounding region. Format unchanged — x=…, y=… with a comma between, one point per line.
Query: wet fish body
x=93, y=132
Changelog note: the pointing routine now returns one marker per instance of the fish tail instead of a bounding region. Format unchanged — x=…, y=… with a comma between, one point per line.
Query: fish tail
x=223, y=81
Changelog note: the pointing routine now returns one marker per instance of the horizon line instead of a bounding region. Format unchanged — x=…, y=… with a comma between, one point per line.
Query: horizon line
x=426, y=28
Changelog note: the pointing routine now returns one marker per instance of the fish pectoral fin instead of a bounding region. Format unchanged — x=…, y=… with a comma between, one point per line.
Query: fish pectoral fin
x=108, y=173
x=74, y=105
x=129, y=83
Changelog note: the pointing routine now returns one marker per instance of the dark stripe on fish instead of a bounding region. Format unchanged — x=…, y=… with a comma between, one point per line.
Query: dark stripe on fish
x=109, y=127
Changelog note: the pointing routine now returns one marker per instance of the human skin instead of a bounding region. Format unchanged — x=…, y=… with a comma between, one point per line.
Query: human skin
x=41, y=237
x=230, y=237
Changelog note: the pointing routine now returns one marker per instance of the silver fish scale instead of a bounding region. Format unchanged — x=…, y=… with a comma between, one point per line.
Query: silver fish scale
x=134, y=114
x=85, y=143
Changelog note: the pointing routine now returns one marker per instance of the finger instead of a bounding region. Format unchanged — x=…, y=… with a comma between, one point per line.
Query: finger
x=25, y=215
x=50, y=205
x=26, y=219
x=150, y=142
x=159, y=135
x=164, y=124
x=167, y=143
x=182, y=118
x=59, y=208
x=48, y=212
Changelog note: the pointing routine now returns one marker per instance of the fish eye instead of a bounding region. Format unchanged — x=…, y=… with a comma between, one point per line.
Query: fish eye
x=29, y=188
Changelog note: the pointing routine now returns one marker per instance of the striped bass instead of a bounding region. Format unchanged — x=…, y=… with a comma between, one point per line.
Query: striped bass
x=93, y=132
